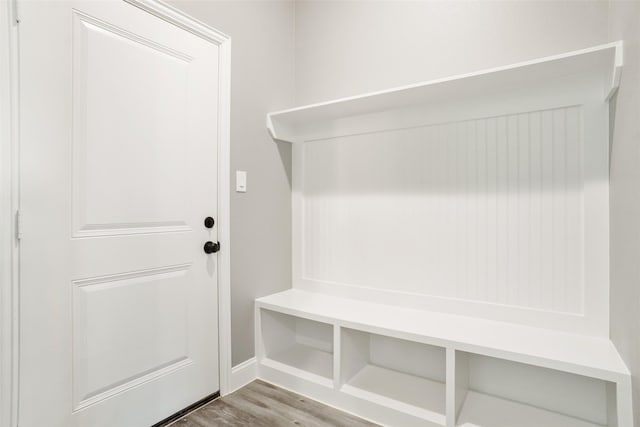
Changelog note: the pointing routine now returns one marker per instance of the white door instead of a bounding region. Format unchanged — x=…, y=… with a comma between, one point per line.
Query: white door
x=119, y=131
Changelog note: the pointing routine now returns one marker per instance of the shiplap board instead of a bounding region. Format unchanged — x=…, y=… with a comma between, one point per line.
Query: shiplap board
x=488, y=210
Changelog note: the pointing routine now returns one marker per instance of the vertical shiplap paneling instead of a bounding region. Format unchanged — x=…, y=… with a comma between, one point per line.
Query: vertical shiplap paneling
x=559, y=227
x=483, y=210
x=575, y=219
x=482, y=243
x=492, y=230
x=536, y=286
x=524, y=210
x=470, y=200
x=513, y=222
x=450, y=201
x=459, y=189
x=502, y=235
x=547, y=196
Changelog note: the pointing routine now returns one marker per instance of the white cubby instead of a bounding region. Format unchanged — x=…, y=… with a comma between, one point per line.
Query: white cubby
x=436, y=281
x=298, y=346
x=403, y=367
x=401, y=374
x=502, y=393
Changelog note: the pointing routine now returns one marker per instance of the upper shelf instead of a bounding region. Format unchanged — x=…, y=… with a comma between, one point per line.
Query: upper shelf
x=602, y=64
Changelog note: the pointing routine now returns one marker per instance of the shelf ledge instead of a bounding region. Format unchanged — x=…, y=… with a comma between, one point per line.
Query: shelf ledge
x=603, y=62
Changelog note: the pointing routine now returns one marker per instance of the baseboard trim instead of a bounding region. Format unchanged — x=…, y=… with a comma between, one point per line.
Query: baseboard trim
x=242, y=374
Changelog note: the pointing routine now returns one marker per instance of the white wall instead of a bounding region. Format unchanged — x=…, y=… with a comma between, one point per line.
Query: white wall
x=261, y=80
x=624, y=23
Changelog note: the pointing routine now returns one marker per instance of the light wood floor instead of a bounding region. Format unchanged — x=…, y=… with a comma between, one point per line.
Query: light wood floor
x=264, y=405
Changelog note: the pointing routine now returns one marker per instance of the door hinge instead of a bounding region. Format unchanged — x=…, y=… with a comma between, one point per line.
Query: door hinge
x=16, y=14
x=18, y=225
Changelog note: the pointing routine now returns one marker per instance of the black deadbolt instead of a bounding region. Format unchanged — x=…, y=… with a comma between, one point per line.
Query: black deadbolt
x=209, y=222
x=211, y=248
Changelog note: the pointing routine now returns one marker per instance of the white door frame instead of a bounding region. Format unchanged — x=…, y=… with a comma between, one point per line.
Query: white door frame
x=9, y=197
x=9, y=194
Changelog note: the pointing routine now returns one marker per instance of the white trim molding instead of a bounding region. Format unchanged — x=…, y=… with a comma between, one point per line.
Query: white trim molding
x=224, y=218
x=9, y=202
x=243, y=373
x=180, y=19
x=223, y=41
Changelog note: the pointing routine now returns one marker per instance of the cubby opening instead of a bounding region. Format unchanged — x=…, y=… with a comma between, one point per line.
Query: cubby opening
x=404, y=375
x=298, y=343
x=501, y=393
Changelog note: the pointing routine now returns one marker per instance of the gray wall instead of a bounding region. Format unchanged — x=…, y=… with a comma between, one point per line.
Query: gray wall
x=624, y=23
x=262, y=80
x=348, y=47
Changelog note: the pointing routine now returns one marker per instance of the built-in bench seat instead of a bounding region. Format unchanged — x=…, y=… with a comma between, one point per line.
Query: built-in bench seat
x=353, y=354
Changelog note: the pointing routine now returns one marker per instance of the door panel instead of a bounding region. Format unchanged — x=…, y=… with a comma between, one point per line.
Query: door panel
x=142, y=99
x=150, y=304
x=119, y=135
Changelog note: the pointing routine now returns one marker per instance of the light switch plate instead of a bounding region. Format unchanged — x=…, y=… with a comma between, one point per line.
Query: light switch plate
x=241, y=181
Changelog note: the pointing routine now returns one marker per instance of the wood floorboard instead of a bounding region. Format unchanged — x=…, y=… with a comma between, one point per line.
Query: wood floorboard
x=260, y=404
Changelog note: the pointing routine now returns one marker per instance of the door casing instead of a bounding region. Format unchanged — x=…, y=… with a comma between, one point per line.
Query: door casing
x=10, y=197
x=9, y=201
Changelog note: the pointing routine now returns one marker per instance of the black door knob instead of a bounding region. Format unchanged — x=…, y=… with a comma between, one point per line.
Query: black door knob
x=209, y=222
x=211, y=248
